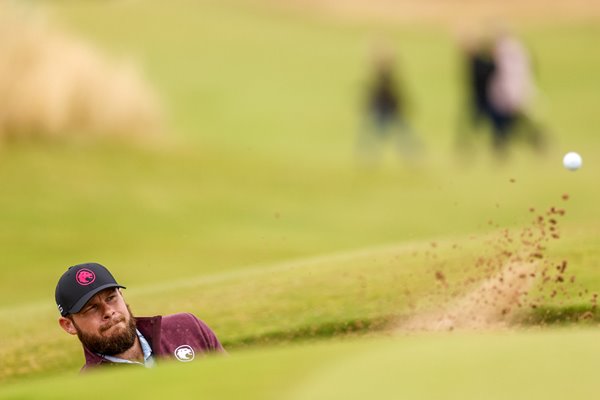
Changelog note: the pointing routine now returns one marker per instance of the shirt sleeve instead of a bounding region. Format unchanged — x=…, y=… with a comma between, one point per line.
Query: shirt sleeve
x=208, y=335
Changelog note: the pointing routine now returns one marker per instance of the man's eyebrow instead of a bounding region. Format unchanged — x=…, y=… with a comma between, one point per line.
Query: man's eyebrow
x=91, y=302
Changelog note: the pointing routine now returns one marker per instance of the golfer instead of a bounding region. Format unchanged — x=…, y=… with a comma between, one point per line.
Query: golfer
x=93, y=308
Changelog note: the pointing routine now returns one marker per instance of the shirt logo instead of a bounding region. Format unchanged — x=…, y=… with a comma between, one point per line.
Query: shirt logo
x=84, y=277
x=184, y=353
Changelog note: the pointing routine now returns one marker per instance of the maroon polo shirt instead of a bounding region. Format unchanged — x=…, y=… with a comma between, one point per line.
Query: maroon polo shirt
x=179, y=336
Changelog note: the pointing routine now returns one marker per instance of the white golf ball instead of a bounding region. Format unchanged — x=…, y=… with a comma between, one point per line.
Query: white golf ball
x=572, y=161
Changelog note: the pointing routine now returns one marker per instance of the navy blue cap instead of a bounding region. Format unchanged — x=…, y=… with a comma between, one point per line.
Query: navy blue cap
x=79, y=284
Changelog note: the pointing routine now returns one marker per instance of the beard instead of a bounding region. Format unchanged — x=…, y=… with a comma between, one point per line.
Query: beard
x=120, y=341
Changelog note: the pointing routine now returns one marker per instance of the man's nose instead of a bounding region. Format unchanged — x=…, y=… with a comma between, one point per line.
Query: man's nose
x=107, y=311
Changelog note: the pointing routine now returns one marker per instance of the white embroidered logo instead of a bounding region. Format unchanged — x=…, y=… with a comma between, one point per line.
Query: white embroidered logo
x=184, y=353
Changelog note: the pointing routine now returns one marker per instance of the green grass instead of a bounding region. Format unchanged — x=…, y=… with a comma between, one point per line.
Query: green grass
x=341, y=294
x=549, y=365
x=255, y=215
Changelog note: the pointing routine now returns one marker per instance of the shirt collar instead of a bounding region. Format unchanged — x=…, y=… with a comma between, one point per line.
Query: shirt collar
x=146, y=349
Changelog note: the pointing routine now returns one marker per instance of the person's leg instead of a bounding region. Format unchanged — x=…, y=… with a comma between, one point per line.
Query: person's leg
x=370, y=137
x=531, y=131
x=407, y=142
x=502, y=126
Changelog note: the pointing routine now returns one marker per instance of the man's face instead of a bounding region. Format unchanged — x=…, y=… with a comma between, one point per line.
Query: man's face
x=105, y=324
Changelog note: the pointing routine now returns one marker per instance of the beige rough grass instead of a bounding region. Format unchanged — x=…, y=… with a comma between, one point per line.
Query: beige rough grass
x=491, y=305
x=449, y=12
x=52, y=83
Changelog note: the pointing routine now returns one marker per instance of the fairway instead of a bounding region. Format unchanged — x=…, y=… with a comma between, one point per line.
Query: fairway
x=253, y=212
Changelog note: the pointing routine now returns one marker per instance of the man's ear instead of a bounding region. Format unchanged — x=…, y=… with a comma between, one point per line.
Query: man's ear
x=67, y=325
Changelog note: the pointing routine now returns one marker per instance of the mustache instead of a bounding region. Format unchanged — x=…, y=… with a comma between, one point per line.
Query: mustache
x=118, y=342
x=110, y=324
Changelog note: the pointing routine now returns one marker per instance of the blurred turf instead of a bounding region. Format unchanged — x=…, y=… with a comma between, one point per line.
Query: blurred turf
x=549, y=365
x=260, y=171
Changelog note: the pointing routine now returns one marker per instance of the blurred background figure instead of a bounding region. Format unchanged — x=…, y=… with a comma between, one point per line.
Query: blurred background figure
x=500, y=88
x=385, y=112
x=511, y=91
x=479, y=67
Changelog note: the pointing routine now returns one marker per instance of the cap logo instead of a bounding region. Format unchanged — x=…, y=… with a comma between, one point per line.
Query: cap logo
x=184, y=353
x=85, y=277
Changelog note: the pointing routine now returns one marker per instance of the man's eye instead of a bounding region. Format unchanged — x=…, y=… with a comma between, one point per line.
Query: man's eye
x=109, y=298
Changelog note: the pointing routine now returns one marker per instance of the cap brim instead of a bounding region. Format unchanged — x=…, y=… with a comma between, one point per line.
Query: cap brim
x=82, y=301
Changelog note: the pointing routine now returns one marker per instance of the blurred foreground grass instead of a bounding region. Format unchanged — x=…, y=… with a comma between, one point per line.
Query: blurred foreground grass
x=549, y=365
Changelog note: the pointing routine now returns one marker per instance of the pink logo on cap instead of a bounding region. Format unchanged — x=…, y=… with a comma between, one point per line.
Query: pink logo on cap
x=84, y=277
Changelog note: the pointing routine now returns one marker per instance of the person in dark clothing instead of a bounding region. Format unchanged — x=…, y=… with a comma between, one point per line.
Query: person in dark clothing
x=385, y=112
x=499, y=90
x=93, y=308
x=479, y=69
x=384, y=99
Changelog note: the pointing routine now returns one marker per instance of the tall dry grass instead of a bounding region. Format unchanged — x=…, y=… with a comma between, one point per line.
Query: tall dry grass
x=53, y=84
